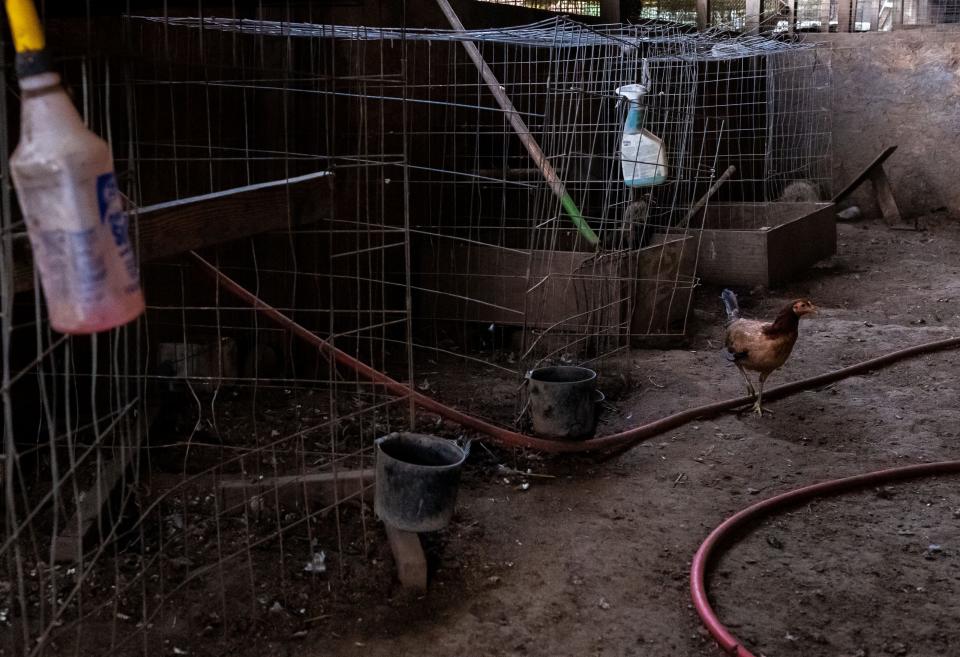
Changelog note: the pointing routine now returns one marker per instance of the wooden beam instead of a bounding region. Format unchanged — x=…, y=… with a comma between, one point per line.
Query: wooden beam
x=409, y=557
x=882, y=190
x=68, y=544
x=169, y=229
x=290, y=490
x=885, y=198
x=610, y=11
x=865, y=174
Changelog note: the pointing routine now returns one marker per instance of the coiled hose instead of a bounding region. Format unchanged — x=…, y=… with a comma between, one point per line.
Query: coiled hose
x=698, y=571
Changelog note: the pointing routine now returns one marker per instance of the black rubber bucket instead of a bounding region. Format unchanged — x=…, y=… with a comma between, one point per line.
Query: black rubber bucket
x=417, y=480
x=563, y=402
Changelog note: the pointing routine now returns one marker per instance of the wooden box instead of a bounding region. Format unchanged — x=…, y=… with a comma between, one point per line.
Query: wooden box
x=664, y=283
x=464, y=281
x=615, y=294
x=764, y=244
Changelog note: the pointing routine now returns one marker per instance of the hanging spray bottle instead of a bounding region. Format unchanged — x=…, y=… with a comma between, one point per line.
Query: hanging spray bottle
x=67, y=190
x=642, y=154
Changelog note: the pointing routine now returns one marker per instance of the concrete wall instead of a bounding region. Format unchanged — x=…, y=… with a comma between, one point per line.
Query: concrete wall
x=899, y=88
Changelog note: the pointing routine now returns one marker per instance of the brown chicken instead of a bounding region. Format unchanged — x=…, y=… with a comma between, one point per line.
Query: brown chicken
x=762, y=346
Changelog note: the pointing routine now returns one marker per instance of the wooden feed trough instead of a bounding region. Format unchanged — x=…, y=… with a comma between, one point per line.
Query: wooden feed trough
x=565, y=293
x=764, y=244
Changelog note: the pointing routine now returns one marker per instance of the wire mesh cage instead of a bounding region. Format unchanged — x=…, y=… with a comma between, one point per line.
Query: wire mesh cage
x=781, y=17
x=328, y=219
x=572, y=7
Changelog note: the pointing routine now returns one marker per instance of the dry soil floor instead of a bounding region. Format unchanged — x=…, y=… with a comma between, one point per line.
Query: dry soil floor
x=594, y=558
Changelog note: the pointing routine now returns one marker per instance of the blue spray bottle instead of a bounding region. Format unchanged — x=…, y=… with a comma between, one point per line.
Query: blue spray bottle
x=642, y=154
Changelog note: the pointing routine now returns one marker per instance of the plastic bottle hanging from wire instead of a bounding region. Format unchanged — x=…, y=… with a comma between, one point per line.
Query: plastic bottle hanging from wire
x=643, y=157
x=67, y=190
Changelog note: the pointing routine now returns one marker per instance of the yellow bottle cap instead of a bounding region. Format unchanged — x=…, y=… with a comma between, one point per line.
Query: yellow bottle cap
x=25, y=26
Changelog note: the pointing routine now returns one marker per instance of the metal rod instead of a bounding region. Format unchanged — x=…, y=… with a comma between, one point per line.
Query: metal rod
x=529, y=141
x=710, y=192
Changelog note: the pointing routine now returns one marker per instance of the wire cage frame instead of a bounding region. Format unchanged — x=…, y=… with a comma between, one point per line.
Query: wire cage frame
x=783, y=17
x=363, y=183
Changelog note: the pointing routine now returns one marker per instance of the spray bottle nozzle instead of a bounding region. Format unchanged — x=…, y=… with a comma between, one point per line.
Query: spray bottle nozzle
x=632, y=92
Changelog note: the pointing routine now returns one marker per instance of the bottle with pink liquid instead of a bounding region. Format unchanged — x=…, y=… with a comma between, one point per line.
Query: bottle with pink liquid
x=67, y=190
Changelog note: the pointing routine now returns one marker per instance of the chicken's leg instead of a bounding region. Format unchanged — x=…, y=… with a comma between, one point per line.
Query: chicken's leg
x=750, y=390
x=758, y=406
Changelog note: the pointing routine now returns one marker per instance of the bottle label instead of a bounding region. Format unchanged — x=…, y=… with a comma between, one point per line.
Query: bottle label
x=113, y=216
x=86, y=269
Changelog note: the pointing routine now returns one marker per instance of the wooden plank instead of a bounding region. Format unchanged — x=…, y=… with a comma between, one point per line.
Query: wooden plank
x=865, y=174
x=885, y=197
x=734, y=253
x=409, y=557
x=68, y=545
x=291, y=490
x=798, y=244
x=664, y=285
x=537, y=289
x=733, y=257
x=169, y=229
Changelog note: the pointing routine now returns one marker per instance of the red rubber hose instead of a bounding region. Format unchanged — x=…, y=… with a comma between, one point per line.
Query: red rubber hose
x=511, y=438
x=698, y=588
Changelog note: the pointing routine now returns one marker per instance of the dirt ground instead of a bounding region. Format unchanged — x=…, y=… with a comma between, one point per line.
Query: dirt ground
x=594, y=560
x=580, y=557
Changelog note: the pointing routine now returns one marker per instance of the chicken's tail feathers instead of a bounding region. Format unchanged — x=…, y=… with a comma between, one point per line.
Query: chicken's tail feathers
x=730, y=304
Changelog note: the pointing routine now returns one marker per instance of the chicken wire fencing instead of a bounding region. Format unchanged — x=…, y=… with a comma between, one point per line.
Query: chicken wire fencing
x=785, y=16
x=182, y=484
x=304, y=195
x=571, y=7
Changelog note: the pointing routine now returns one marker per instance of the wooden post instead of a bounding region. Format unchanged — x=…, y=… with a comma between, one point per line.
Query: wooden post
x=703, y=14
x=610, y=11
x=752, y=17
x=409, y=557
x=843, y=16
x=864, y=174
x=882, y=190
x=885, y=197
x=824, y=15
x=871, y=14
x=899, y=9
